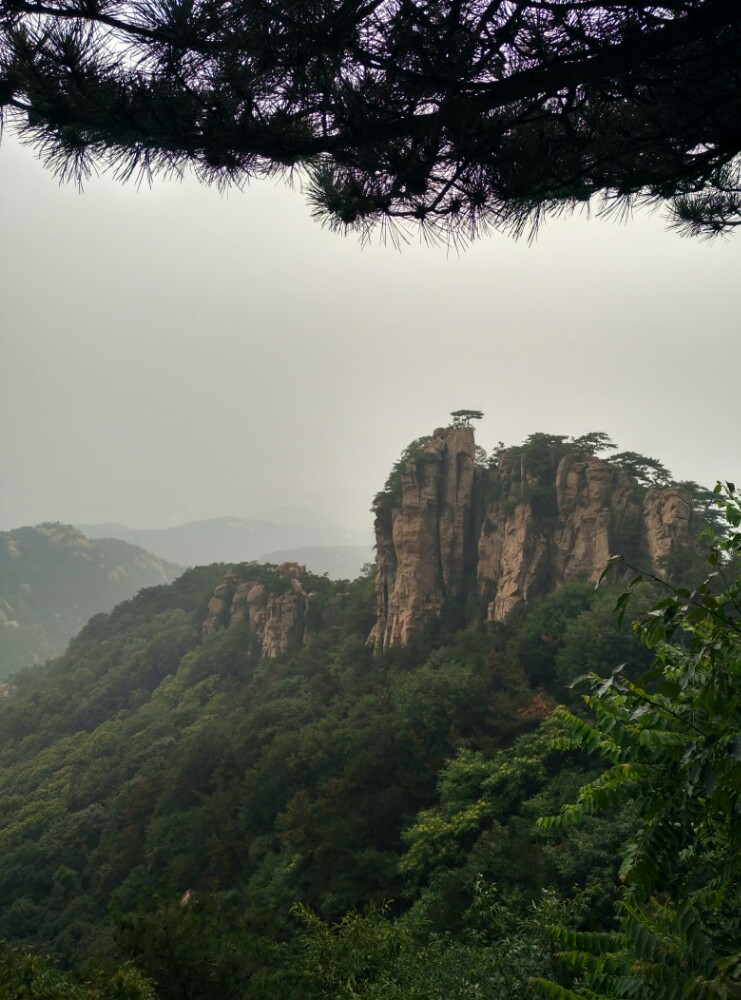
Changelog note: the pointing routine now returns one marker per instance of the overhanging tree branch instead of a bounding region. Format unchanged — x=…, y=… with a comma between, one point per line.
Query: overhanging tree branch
x=458, y=114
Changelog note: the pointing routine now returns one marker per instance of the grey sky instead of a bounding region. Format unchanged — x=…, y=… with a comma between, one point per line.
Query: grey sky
x=173, y=354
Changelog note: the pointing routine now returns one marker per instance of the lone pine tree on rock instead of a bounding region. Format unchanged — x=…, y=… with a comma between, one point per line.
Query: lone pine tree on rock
x=464, y=417
x=459, y=115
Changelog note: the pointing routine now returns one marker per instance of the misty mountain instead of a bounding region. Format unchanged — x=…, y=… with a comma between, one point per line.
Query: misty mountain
x=232, y=539
x=53, y=579
x=339, y=562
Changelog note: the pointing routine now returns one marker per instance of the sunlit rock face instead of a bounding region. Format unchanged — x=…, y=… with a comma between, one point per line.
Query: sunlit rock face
x=485, y=540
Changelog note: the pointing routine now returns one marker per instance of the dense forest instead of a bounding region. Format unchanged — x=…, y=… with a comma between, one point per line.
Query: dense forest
x=546, y=805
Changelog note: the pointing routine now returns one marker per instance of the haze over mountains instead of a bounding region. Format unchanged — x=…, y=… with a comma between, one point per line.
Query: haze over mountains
x=53, y=579
x=324, y=548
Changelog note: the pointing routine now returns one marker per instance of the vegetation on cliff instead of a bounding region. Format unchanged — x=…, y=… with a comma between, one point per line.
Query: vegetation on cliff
x=181, y=817
x=672, y=744
x=461, y=539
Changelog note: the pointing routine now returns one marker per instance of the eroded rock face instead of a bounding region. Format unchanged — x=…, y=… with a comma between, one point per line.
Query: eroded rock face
x=598, y=508
x=493, y=539
x=220, y=604
x=513, y=559
x=473, y=543
x=670, y=524
x=425, y=536
x=275, y=614
x=522, y=555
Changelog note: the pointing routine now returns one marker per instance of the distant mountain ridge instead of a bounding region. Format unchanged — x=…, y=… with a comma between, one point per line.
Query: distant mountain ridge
x=53, y=579
x=339, y=562
x=234, y=540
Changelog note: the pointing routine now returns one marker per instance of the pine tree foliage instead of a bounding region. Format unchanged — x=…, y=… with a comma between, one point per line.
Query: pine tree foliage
x=457, y=115
x=673, y=747
x=648, y=471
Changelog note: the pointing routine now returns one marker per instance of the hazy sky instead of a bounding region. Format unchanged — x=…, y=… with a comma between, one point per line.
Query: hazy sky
x=174, y=354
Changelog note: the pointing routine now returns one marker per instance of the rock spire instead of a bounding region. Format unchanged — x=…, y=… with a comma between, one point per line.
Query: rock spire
x=475, y=541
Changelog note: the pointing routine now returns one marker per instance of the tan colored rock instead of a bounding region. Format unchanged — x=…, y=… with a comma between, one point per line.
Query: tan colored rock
x=513, y=558
x=669, y=524
x=275, y=620
x=240, y=608
x=65, y=536
x=289, y=571
x=598, y=513
x=283, y=623
x=425, y=537
x=598, y=506
x=436, y=539
x=219, y=606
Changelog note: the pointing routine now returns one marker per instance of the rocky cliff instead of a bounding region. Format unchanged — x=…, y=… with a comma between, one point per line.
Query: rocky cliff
x=466, y=542
x=426, y=536
x=274, y=608
x=475, y=541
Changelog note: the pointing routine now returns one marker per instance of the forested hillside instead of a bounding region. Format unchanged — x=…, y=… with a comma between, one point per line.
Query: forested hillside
x=338, y=821
x=53, y=579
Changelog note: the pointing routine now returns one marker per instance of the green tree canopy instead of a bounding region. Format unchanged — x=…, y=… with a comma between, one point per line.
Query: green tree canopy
x=460, y=115
x=672, y=743
x=648, y=471
x=594, y=441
